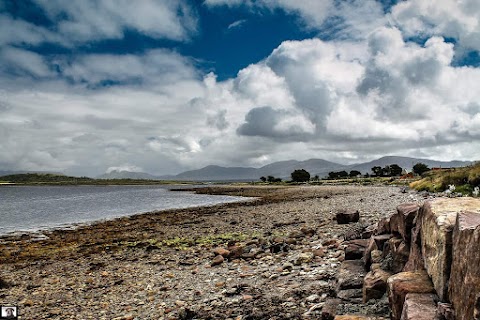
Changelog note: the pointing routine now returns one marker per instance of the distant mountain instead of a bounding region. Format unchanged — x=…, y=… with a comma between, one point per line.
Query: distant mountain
x=283, y=169
x=217, y=173
x=128, y=175
x=406, y=162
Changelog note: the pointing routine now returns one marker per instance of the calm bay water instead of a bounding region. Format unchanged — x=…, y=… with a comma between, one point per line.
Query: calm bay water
x=27, y=208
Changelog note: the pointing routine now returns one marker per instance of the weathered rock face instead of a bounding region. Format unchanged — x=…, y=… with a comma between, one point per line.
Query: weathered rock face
x=400, y=253
x=383, y=226
x=464, y=285
x=445, y=311
x=402, y=222
x=347, y=216
x=400, y=284
x=437, y=219
x=419, y=306
x=415, y=258
x=375, y=284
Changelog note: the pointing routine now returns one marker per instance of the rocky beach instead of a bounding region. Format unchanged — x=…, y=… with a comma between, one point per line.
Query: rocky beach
x=275, y=257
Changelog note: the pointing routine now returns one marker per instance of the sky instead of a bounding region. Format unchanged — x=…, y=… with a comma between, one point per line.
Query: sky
x=87, y=87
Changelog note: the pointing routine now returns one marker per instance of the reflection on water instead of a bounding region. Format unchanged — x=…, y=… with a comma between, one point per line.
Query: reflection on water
x=28, y=208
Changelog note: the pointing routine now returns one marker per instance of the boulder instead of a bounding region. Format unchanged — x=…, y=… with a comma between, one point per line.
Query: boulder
x=383, y=226
x=350, y=275
x=419, y=306
x=400, y=253
x=329, y=309
x=374, y=243
x=221, y=251
x=400, y=284
x=375, y=284
x=415, y=258
x=217, y=261
x=402, y=222
x=355, y=249
x=347, y=216
x=464, y=285
x=437, y=219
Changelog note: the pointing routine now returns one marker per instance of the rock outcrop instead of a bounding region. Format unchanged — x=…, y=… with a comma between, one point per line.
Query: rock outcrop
x=464, y=284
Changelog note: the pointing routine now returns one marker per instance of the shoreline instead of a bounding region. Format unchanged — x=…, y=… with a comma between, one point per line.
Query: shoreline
x=160, y=265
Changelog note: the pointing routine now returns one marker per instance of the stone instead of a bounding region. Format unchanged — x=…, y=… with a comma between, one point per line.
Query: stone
x=347, y=216
x=350, y=275
x=296, y=234
x=445, y=311
x=217, y=261
x=419, y=306
x=304, y=257
x=350, y=295
x=400, y=284
x=375, y=243
x=236, y=252
x=377, y=256
x=329, y=309
x=464, y=283
x=375, y=284
x=437, y=220
x=402, y=222
x=415, y=257
x=400, y=253
x=355, y=249
x=309, y=232
x=383, y=226
x=352, y=317
x=221, y=251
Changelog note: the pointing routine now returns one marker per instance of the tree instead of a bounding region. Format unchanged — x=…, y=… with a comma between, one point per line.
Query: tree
x=420, y=168
x=263, y=179
x=316, y=178
x=377, y=171
x=354, y=173
x=300, y=175
x=395, y=170
x=271, y=179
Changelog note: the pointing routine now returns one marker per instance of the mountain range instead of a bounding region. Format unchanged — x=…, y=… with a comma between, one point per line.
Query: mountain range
x=283, y=169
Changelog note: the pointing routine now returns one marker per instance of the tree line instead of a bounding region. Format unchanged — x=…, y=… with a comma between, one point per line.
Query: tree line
x=393, y=170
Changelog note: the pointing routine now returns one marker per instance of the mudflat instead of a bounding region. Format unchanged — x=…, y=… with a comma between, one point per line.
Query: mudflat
x=274, y=257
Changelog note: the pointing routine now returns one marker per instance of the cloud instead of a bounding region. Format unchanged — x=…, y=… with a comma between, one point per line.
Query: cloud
x=449, y=18
x=352, y=98
x=80, y=21
x=276, y=124
x=125, y=167
x=236, y=24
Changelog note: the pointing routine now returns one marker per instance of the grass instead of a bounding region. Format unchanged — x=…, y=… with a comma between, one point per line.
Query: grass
x=465, y=180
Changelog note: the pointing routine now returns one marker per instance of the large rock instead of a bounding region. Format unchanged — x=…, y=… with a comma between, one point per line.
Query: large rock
x=374, y=243
x=400, y=253
x=415, y=258
x=375, y=284
x=419, y=306
x=437, y=219
x=329, y=309
x=403, y=283
x=347, y=216
x=445, y=311
x=355, y=249
x=350, y=275
x=402, y=222
x=464, y=285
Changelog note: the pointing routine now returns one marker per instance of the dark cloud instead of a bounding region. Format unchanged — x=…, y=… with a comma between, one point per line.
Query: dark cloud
x=266, y=122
